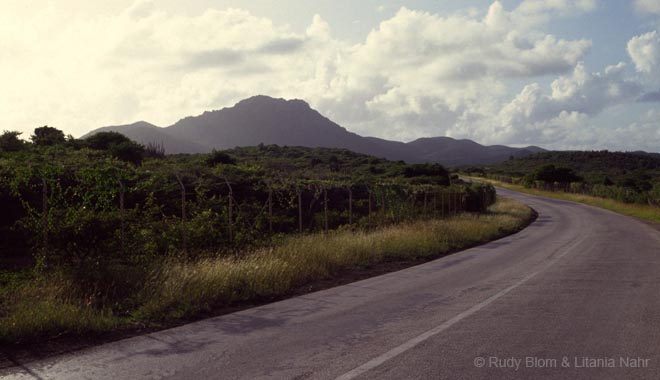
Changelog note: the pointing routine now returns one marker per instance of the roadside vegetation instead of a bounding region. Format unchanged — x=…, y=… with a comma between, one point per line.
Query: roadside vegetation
x=103, y=234
x=37, y=307
x=646, y=212
x=628, y=183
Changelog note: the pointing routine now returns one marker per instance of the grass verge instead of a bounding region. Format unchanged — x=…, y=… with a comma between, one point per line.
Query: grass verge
x=35, y=310
x=649, y=213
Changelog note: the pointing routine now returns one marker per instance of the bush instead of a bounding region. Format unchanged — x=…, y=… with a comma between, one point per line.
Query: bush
x=118, y=145
x=218, y=157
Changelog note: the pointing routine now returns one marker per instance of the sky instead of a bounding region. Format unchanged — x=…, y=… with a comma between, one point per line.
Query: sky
x=561, y=74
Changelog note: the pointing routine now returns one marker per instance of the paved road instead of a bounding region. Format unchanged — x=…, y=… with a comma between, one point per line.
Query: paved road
x=580, y=284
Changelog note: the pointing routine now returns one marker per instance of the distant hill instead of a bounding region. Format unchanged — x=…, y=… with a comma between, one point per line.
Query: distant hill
x=146, y=133
x=262, y=119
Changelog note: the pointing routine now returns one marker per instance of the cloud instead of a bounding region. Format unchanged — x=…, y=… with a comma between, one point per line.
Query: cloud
x=416, y=74
x=651, y=97
x=430, y=71
x=648, y=6
x=644, y=50
x=540, y=116
x=569, y=7
x=282, y=46
x=216, y=58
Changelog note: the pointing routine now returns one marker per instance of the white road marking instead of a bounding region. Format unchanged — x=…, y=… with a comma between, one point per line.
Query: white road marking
x=396, y=351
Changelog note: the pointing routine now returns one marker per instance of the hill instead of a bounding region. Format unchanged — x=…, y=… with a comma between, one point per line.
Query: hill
x=146, y=133
x=262, y=119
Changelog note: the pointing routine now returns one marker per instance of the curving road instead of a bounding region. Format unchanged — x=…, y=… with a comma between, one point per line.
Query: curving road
x=575, y=295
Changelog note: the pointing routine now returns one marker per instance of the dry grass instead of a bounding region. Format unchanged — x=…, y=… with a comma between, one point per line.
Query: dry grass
x=44, y=308
x=183, y=289
x=179, y=289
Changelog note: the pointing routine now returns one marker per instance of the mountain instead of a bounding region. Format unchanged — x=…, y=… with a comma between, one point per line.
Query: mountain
x=453, y=152
x=146, y=133
x=262, y=119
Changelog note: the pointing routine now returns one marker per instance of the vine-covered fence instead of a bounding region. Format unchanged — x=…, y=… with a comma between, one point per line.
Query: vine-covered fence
x=84, y=215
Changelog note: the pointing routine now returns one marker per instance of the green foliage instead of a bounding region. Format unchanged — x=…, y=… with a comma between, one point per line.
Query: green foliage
x=128, y=151
x=105, y=140
x=118, y=145
x=550, y=173
x=96, y=223
x=10, y=142
x=47, y=136
x=219, y=157
x=625, y=177
x=182, y=288
x=154, y=150
x=429, y=173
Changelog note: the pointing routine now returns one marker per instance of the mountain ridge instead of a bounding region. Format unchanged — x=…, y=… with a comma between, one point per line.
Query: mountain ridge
x=262, y=119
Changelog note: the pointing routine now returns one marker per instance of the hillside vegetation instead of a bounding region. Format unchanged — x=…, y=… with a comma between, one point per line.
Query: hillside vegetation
x=104, y=233
x=624, y=177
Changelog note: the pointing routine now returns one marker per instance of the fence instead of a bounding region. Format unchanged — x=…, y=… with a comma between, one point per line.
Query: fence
x=187, y=214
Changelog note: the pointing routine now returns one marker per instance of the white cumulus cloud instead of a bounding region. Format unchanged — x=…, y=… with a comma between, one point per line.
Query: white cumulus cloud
x=645, y=52
x=648, y=6
x=416, y=74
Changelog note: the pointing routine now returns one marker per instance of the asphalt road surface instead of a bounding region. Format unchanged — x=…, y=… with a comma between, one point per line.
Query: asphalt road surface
x=574, y=296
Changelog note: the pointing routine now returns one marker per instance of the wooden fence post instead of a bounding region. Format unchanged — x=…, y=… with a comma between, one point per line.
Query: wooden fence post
x=300, y=211
x=122, y=232
x=384, y=206
x=369, y=219
x=325, y=209
x=230, y=212
x=442, y=204
x=44, y=221
x=270, y=210
x=350, y=207
x=425, y=203
x=183, y=214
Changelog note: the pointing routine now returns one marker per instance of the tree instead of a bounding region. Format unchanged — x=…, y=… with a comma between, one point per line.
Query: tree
x=9, y=141
x=218, y=157
x=550, y=173
x=104, y=140
x=430, y=173
x=118, y=145
x=129, y=151
x=47, y=136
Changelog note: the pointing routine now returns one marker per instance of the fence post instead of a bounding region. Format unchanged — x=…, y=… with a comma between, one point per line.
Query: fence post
x=183, y=214
x=369, y=219
x=384, y=206
x=44, y=221
x=325, y=209
x=270, y=210
x=299, y=210
x=350, y=207
x=425, y=198
x=230, y=212
x=449, y=204
x=442, y=204
x=122, y=189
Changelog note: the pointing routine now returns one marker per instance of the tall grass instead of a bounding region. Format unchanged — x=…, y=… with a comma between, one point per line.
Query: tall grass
x=47, y=307
x=182, y=288
x=176, y=289
x=647, y=212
